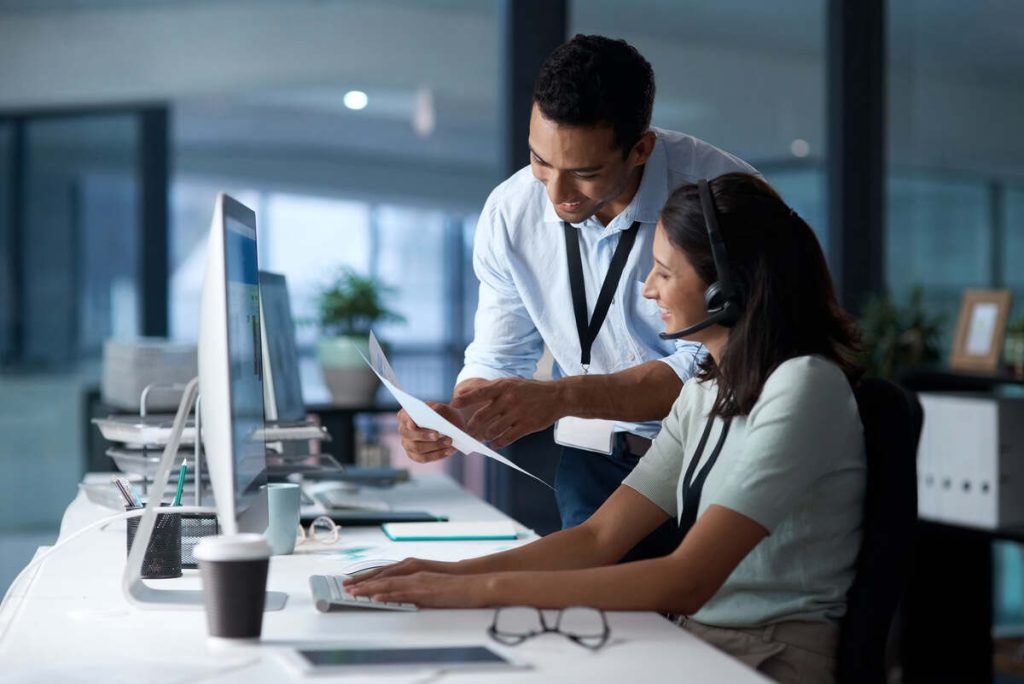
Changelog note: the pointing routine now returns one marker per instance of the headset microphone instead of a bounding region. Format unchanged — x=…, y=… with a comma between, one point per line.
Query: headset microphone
x=721, y=299
x=724, y=317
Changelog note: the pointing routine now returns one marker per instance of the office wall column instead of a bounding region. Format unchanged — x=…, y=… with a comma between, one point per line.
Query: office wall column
x=12, y=269
x=454, y=314
x=997, y=222
x=154, y=246
x=530, y=30
x=856, y=146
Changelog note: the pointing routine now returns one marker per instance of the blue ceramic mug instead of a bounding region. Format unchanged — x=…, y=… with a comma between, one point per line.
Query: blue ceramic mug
x=283, y=516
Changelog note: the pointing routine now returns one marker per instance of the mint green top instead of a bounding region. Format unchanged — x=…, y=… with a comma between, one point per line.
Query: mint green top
x=796, y=466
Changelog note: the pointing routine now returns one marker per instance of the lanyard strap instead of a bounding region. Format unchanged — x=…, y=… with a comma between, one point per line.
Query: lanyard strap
x=692, y=488
x=588, y=332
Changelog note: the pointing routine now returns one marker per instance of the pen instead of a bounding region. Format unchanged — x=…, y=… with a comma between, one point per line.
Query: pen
x=131, y=491
x=181, y=482
x=129, y=501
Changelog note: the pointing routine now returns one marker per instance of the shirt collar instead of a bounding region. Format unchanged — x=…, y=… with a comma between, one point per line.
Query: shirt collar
x=648, y=201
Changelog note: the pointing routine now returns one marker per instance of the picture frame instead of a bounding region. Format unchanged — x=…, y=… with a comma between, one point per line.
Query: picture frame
x=980, y=329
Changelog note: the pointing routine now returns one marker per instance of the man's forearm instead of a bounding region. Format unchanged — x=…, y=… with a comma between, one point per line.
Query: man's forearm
x=644, y=392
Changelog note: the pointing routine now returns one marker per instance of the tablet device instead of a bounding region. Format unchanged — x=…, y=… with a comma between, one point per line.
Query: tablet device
x=364, y=518
x=448, y=531
x=350, y=659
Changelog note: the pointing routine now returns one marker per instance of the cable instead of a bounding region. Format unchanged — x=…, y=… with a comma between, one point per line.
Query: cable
x=88, y=528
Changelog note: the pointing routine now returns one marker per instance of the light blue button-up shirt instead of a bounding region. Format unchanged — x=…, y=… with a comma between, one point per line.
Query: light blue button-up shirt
x=525, y=298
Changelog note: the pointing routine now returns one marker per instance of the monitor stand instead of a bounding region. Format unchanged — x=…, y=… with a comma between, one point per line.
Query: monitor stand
x=135, y=590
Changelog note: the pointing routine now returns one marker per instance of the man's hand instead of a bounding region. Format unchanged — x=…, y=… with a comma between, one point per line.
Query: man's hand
x=424, y=446
x=509, y=408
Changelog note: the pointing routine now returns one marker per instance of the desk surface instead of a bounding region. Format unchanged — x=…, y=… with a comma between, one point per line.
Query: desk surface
x=70, y=622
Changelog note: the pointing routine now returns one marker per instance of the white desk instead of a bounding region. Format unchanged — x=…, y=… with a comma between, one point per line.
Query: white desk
x=71, y=623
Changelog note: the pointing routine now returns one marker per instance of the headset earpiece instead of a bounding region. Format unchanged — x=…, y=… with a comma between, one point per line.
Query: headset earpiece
x=721, y=300
x=714, y=300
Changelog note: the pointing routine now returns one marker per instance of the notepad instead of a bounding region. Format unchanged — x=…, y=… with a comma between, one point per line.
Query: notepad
x=447, y=531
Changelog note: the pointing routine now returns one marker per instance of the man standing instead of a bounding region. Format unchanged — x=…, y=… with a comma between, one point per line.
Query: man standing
x=561, y=251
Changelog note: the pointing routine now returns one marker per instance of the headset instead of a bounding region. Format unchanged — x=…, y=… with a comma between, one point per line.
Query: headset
x=721, y=299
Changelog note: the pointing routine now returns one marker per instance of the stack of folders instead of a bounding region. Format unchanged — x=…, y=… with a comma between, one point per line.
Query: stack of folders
x=970, y=467
x=129, y=366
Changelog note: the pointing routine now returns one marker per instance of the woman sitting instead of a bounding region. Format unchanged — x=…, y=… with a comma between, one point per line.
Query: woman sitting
x=761, y=459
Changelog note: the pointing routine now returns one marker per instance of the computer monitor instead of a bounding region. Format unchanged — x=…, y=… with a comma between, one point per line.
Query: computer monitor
x=230, y=384
x=231, y=370
x=282, y=387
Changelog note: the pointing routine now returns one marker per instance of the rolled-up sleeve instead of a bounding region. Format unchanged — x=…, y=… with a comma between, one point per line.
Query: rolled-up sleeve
x=685, y=360
x=506, y=342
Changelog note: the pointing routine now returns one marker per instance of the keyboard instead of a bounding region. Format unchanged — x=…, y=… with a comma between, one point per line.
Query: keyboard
x=330, y=596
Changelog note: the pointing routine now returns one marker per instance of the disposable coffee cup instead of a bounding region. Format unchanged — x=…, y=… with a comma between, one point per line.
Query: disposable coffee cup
x=233, y=569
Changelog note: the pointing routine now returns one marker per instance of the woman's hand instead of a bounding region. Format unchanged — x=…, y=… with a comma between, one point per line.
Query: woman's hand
x=409, y=566
x=424, y=589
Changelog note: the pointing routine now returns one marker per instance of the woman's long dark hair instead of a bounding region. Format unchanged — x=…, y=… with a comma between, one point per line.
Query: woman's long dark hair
x=789, y=304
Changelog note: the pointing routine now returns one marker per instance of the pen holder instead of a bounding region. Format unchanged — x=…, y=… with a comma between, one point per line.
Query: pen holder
x=195, y=526
x=163, y=557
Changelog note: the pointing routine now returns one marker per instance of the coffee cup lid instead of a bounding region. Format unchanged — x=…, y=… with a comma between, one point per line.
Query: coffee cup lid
x=226, y=547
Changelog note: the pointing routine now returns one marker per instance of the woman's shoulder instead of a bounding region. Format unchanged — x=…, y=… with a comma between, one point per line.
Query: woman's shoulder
x=698, y=392
x=811, y=376
x=696, y=397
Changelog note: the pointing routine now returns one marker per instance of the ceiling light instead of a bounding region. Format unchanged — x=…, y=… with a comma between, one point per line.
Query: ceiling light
x=355, y=99
x=424, y=116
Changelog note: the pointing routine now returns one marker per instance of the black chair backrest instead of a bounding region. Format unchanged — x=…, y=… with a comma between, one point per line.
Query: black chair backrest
x=892, y=420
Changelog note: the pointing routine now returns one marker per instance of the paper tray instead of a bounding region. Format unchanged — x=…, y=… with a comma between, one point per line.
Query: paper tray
x=156, y=430
x=147, y=462
x=139, y=430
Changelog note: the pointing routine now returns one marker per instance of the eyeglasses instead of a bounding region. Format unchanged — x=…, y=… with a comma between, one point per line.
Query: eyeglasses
x=322, y=530
x=513, y=625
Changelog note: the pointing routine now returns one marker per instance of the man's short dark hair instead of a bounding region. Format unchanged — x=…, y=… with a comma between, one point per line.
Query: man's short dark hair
x=593, y=80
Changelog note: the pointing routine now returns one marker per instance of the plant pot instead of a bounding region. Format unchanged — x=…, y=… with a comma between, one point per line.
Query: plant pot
x=349, y=379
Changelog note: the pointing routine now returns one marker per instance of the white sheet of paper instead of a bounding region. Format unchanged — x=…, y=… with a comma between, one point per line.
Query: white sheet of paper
x=591, y=434
x=379, y=362
x=428, y=418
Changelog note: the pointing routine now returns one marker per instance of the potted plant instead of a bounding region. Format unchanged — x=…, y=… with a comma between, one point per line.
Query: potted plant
x=897, y=338
x=347, y=309
x=1013, y=347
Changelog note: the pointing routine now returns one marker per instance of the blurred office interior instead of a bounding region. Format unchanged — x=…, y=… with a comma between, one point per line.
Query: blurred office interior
x=120, y=120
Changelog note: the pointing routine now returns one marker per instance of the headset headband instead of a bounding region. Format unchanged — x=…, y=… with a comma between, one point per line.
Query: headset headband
x=718, y=252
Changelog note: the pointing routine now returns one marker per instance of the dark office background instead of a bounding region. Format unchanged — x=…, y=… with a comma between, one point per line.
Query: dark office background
x=893, y=128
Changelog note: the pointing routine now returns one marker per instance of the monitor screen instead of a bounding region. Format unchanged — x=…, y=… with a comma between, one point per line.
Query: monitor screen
x=245, y=355
x=282, y=358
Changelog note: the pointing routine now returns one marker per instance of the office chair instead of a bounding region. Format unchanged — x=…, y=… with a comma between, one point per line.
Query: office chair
x=892, y=420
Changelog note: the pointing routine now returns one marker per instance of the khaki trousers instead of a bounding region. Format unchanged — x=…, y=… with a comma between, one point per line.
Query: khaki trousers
x=789, y=652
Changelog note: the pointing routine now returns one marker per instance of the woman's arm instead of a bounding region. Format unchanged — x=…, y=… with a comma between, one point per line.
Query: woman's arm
x=616, y=527
x=679, y=583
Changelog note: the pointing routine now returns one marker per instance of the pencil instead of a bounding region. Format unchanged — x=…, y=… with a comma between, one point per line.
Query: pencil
x=181, y=482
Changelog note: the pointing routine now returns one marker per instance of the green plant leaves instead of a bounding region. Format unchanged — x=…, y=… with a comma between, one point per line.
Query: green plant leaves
x=896, y=338
x=352, y=304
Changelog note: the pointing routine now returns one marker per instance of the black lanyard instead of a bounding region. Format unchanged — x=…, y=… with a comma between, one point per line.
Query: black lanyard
x=692, y=488
x=588, y=332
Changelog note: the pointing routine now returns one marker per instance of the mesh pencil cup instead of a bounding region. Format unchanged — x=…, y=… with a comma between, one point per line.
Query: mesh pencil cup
x=163, y=556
